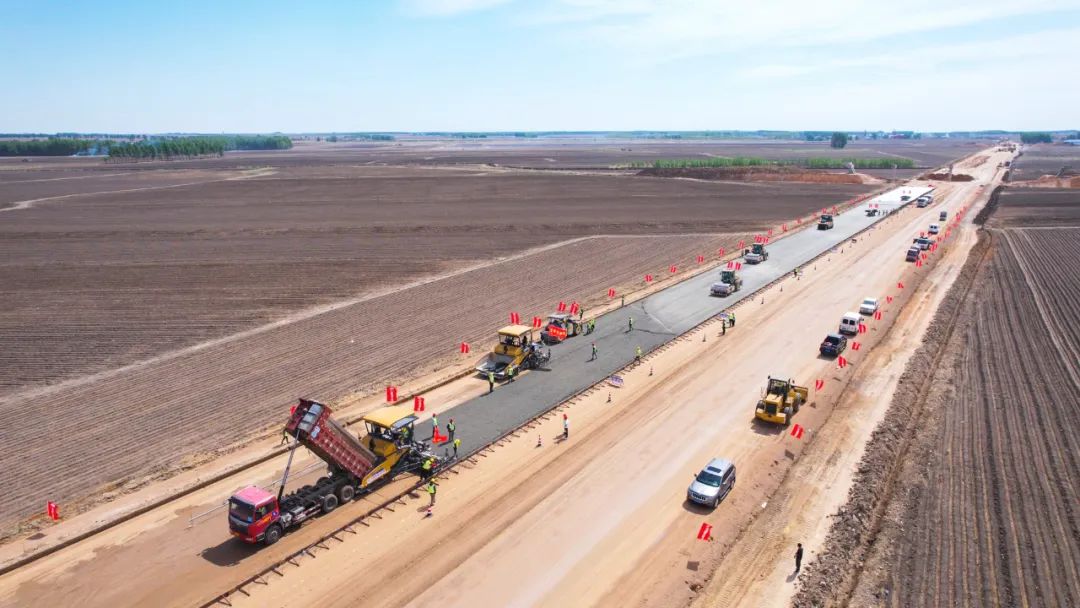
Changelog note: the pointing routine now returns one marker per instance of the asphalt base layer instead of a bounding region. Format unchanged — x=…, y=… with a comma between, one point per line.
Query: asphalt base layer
x=657, y=319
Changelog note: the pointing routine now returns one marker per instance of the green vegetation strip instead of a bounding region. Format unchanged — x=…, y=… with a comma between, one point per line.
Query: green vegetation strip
x=753, y=161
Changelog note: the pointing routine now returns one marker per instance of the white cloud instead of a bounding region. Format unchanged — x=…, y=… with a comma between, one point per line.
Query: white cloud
x=684, y=28
x=445, y=8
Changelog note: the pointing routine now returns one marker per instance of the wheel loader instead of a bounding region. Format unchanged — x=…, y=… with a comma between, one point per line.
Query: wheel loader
x=782, y=401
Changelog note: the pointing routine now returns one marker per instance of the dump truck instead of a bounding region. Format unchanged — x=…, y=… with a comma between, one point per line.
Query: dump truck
x=560, y=326
x=730, y=282
x=782, y=401
x=826, y=222
x=756, y=255
x=518, y=348
x=356, y=466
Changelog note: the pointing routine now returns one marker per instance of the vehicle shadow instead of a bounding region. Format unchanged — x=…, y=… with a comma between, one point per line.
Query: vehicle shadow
x=229, y=552
x=766, y=428
x=695, y=508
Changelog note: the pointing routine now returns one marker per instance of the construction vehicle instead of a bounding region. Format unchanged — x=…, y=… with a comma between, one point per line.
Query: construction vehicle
x=782, y=401
x=560, y=326
x=871, y=212
x=356, y=466
x=730, y=282
x=518, y=349
x=757, y=254
x=826, y=222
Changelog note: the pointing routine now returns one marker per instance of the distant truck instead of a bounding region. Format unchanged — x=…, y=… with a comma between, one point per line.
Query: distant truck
x=826, y=222
x=756, y=255
x=924, y=200
x=730, y=282
x=356, y=466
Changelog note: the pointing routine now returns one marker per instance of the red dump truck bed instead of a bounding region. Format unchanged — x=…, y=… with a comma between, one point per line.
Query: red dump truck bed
x=313, y=427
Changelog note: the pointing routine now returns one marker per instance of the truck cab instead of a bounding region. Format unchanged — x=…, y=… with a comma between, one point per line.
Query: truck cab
x=826, y=222
x=757, y=254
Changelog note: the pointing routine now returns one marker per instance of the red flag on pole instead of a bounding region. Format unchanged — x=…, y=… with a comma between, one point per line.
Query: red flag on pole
x=862, y=328
x=418, y=404
x=391, y=394
x=700, y=259
x=52, y=510
x=899, y=285
x=742, y=244
x=515, y=318
x=648, y=278
x=918, y=263
x=841, y=361
x=704, y=532
x=538, y=322
x=673, y=269
x=819, y=384
x=797, y=431
x=574, y=308
x=720, y=251
x=877, y=315
x=856, y=345
x=611, y=293
x=738, y=265
x=562, y=306
x=888, y=299
x=464, y=348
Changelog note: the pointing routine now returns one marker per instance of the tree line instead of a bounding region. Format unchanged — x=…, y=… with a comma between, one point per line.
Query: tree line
x=1036, y=138
x=753, y=161
x=53, y=146
x=188, y=147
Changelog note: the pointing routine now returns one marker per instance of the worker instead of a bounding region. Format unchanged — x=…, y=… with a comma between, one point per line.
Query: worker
x=795, y=272
x=565, y=427
x=426, y=467
x=491, y=382
x=593, y=358
x=510, y=372
x=431, y=487
x=450, y=428
x=592, y=325
x=580, y=313
x=637, y=356
x=732, y=317
x=457, y=444
x=723, y=327
x=434, y=426
x=798, y=559
x=631, y=325
x=623, y=303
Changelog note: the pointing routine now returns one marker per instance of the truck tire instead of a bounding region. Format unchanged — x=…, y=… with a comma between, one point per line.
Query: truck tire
x=320, y=481
x=329, y=503
x=345, y=493
x=272, y=535
x=787, y=415
x=798, y=404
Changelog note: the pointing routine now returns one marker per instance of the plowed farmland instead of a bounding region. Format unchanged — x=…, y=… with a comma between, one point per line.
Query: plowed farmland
x=986, y=507
x=155, y=311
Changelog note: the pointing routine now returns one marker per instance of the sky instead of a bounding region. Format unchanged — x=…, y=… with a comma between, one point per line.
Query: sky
x=486, y=65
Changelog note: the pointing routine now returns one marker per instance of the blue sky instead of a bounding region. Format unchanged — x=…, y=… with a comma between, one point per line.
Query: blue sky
x=408, y=65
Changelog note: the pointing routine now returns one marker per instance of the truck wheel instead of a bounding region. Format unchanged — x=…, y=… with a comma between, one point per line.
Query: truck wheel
x=798, y=404
x=329, y=503
x=345, y=493
x=787, y=416
x=320, y=481
x=273, y=534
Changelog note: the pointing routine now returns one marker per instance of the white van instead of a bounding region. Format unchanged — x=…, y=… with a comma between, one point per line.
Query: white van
x=849, y=323
x=934, y=229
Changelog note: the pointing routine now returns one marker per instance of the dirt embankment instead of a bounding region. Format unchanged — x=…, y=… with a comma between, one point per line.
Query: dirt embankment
x=945, y=177
x=762, y=174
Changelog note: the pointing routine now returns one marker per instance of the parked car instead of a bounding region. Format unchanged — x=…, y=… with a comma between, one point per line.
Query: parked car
x=934, y=229
x=849, y=323
x=922, y=242
x=944, y=215
x=869, y=306
x=713, y=483
x=912, y=253
x=924, y=201
x=833, y=345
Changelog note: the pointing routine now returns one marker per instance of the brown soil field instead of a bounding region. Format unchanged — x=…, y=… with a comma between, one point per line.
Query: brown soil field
x=1044, y=159
x=124, y=303
x=102, y=280
x=1042, y=207
x=985, y=510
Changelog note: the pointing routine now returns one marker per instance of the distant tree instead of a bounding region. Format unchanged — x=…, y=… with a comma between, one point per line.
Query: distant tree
x=1036, y=138
x=839, y=140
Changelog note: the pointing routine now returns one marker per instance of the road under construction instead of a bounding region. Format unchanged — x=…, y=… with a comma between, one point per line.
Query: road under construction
x=597, y=519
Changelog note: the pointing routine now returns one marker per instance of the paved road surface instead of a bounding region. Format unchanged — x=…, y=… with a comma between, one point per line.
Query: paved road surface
x=658, y=319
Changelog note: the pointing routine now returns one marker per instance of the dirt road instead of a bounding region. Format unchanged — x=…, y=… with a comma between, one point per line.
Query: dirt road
x=602, y=518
